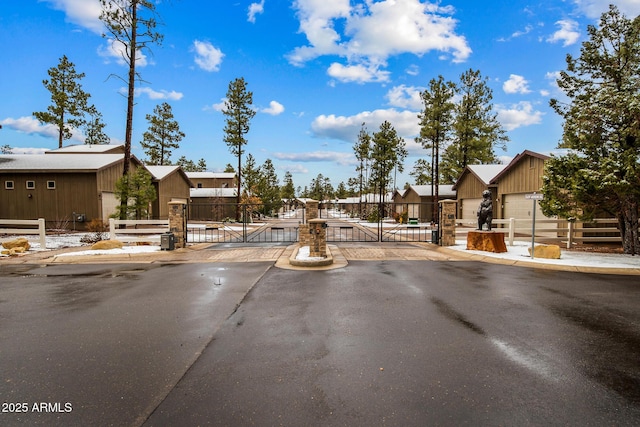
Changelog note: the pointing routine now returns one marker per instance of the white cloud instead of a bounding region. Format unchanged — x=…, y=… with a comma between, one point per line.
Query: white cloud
x=275, y=108
x=357, y=73
x=116, y=50
x=594, y=8
x=567, y=33
x=220, y=106
x=405, y=97
x=346, y=128
x=516, y=84
x=254, y=9
x=518, y=115
x=154, y=95
x=85, y=13
x=372, y=32
x=30, y=125
x=208, y=57
x=341, y=158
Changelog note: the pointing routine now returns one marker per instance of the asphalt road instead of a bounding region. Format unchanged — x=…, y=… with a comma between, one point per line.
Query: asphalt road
x=395, y=343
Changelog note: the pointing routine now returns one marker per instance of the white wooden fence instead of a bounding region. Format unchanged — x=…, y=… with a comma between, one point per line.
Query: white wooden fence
x=138, y=230
x=558, y=230
x=36, y=224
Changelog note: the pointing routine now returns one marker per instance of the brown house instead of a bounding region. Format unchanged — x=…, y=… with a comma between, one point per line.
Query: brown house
x=63, y=189
x=172, y=185
x=419, y=202
x=508, y=185
x=473, y=180
x=213, y=179
x=522, y=176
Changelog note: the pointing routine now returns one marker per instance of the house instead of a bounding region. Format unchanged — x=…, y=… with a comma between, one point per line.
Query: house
x=212, y=204
x=473, y=180
x=89, y=149
x=419, y=201
x=65, y=189
x=213, y=179
x=171, y=184
x=523, y=175
x=508, y=185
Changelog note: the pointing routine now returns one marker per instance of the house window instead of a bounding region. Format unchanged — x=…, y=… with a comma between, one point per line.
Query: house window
x=8, y=185
x=51, y=185
x=199, y=185
x=31, y=185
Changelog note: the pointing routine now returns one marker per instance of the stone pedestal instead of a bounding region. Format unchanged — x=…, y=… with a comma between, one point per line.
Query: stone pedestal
x=177, y=223
x=488, y=241
x=317, y=238
x=311, y=212
x=447, y=222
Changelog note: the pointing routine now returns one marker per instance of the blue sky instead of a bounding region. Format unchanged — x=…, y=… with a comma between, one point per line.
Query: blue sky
x=318, y=69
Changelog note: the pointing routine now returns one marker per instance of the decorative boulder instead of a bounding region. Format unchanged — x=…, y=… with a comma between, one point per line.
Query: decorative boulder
x=107, y=244
x=546, y=251
x=14, y=251
x=488, y=241
x=20, y=242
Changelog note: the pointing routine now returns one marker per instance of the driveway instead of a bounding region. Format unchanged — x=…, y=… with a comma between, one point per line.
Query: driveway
x=375, y=343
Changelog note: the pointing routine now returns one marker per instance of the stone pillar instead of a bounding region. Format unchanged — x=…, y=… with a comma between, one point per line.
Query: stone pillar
x=312, y=209
x=448, y=222
x=177, y=223
x=318, y=238
x=311, y=212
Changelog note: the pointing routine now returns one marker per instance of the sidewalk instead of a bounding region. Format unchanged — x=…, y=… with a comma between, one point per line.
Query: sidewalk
x=342, y=253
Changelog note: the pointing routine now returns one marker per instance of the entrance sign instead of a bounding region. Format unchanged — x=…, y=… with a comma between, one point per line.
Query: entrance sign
x=533, y=196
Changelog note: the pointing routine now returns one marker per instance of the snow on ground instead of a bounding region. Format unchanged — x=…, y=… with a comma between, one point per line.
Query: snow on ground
x=303, y=254
x=518, y=252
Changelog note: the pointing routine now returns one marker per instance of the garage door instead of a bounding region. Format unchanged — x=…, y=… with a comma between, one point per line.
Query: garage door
x=109, y=205
x=516, y=206
x=470, y=209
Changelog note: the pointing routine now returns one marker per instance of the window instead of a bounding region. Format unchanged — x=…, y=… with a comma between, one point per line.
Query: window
x=31, y=185
x=51, y=185
x=8, y=185
x=199, y=185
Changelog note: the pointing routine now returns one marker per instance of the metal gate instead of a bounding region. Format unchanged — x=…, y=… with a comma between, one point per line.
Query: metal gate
x=244, y=223
x=259, y=223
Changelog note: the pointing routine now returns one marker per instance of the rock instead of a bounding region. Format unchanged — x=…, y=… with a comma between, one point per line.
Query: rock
x=488, y=241
x=107, y=244
x=20, y=242
x=18, y=250
x=546, y=251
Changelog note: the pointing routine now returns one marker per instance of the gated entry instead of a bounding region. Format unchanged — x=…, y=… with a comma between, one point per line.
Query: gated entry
x=215, y=222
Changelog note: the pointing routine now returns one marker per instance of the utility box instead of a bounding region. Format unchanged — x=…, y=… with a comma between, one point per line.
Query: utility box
x=167, y=242
x=434, y=236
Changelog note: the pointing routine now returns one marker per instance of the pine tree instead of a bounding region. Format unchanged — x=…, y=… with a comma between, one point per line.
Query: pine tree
x=94, y=129
x=69, y=101
x=601, y=172
x=239, y=112
x=163, y=135
x=436, y=127
x=131, y=26
x=476, y=130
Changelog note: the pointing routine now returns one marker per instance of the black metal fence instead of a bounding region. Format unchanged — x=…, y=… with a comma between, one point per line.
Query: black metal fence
x=356, y=222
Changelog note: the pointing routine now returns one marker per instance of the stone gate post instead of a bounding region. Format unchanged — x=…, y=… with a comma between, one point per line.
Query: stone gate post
x=177, y=223
x=448, y=222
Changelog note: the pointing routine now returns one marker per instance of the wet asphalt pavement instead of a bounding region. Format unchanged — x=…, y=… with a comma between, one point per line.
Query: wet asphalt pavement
x=395, y=343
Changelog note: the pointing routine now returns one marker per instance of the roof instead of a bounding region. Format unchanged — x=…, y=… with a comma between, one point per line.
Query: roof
x=425, y=190
x=213, y=192
x=160, y=172
x=517, y=159
x=484, y=173
x=62, y=162
x=204, y=175
x=89, y=149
